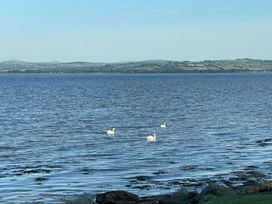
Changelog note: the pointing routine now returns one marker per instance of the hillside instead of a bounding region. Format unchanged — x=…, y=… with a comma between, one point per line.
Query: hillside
x=151, y=66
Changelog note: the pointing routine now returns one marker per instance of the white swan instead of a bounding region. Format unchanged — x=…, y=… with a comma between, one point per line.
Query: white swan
x=111, y=132
x=163, y=125
x=151, y=138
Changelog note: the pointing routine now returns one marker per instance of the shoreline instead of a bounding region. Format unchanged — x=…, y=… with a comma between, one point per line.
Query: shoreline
x=212, y=193
x=137, y=73
x=254, y=185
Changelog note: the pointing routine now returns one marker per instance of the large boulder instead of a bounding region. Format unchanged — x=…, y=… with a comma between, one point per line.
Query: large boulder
x=117, y=197
x=215, y=190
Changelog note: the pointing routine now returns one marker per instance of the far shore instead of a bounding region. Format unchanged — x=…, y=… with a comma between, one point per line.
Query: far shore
x=132, y=73
x=147, y=66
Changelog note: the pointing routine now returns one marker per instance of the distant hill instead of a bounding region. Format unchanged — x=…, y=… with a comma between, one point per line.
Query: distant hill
x=150, y=66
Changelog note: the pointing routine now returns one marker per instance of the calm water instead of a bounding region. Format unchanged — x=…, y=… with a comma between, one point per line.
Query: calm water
x=53, y=140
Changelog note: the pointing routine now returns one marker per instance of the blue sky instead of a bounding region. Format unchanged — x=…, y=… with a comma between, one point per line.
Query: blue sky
x=129, y=30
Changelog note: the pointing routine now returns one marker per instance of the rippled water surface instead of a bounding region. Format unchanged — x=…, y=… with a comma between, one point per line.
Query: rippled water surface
x=53, y=140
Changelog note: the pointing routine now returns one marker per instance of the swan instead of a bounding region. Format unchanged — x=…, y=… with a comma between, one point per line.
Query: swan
x=111, y=132
x=151, y=138
x=163, y=125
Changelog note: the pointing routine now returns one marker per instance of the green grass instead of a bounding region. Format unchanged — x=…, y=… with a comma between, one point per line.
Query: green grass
x=242, y=199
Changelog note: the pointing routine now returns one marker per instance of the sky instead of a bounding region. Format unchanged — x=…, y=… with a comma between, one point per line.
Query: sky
x=132, y=30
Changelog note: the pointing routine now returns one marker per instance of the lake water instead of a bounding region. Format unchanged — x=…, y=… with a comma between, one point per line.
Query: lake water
x=53, y=140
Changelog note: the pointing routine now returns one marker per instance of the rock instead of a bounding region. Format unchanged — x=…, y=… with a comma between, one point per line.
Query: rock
x=40, y=180
x=218, y=190
x=142, y=178
x=246, y=175
x=264, y=142
x=215, y=190
x=251, y=189
x=188, y=168
x=161, y=199
x=148, y=202
x=184, y=197
x=180, y=197
x=160, y=172
x=80, y=201
x=117, y=197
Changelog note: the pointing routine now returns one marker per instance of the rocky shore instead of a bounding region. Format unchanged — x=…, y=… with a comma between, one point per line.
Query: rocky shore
x=253, y=187
x=213, y=193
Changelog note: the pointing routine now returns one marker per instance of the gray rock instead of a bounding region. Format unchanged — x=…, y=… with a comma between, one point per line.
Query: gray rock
x=180, y=197
x=117, y=197
x=148, y=202
x=161, y=199
x=81, y=201
x=215, y=190
x=251, y=189
x=184, y=197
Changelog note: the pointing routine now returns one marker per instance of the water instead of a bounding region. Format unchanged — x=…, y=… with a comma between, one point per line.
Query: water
x=53, y=140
